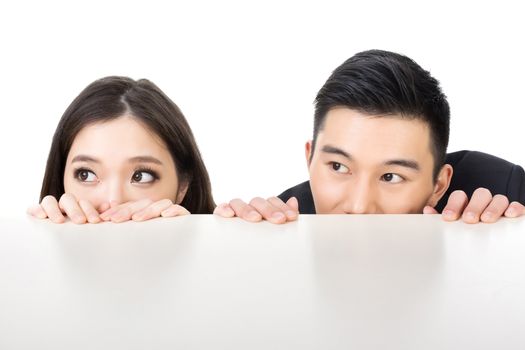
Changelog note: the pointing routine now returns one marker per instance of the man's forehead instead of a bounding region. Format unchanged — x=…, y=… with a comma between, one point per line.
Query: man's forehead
x=375, y=135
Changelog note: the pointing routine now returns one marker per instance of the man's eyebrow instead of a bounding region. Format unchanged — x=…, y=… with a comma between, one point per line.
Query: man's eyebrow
x=145, y=159
x=336, y=150
x=84, y=158
x=411, y=164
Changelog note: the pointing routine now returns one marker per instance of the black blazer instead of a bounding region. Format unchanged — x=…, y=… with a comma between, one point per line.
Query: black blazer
x=471, y=170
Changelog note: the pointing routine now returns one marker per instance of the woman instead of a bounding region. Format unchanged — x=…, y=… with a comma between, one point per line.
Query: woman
x=123, y=150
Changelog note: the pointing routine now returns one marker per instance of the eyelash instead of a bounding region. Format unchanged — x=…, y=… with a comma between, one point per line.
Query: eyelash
x=79, y=170
x=148, y=170
x=332, y=164
x=403, y=179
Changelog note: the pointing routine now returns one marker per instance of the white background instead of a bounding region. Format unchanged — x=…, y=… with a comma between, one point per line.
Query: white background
x=245, y=75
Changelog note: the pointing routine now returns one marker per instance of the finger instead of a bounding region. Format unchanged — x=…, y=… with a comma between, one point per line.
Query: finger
x=111, y=209
x=37, y=212
x=107, y=209
x=429, y=210
x=126, y=210
x=90, y=212
x=174, y=210
x=479, y=201
x=457, y=201
x=50, y=205
x=269, y=212
x=224, y=210
x=103, y=207
x=245, y=211
x=293, y=203
x=514, y=210
x=495, y=209
x=152, y=211
x=69, y=205
x=288, y=210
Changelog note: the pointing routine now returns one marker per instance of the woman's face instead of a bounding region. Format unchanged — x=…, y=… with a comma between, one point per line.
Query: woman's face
x=120, y=161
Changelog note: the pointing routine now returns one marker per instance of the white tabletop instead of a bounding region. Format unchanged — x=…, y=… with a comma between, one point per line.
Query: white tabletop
x=323, y=282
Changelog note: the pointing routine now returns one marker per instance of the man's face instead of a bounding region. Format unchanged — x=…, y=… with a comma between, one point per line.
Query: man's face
x=373, y=165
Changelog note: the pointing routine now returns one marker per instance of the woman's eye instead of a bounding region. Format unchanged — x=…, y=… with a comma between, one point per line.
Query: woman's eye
x=143, y=177
x=86, y=175
x=340, y=168
x=392, y=178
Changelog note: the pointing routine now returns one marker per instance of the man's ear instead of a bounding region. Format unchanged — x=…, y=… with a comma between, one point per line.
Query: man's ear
x=442, y=184
x=183, y=188
x=308, y=152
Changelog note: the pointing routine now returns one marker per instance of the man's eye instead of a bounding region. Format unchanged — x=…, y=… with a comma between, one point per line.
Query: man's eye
x=143, y=177
x=392, y=178
x=85, y=175
x=340, y=168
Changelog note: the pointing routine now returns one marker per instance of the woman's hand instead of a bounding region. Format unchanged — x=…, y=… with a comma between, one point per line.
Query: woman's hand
x=142, y=210
x=82, y=211
x=78, y=211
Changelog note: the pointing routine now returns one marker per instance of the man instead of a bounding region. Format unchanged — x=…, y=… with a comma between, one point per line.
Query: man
x=381, y=131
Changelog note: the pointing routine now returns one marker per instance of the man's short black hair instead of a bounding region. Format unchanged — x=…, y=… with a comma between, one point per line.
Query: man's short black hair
x=384, y=83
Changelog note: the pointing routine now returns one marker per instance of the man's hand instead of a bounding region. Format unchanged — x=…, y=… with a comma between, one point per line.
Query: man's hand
x=482, y=207
x=272, y=209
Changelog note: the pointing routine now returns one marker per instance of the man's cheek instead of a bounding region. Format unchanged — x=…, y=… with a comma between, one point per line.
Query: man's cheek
x=404, y=204
x=328, y=198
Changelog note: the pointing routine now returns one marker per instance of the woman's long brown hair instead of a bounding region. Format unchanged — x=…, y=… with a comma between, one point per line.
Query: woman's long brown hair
x=112, y=97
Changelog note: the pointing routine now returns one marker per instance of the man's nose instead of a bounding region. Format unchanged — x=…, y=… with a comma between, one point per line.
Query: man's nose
x=360, y=200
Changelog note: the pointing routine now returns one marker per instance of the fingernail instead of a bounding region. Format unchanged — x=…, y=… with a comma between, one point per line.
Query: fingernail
x=171, y=211
x=253, y=215
x=448, y=212
x=94, y=219
x=511, y=212
x=278, y=216
x=229, y=211
x=139, y=215
x=78, y=218
x=291, y=213
x=116, y=217
x=470, y=216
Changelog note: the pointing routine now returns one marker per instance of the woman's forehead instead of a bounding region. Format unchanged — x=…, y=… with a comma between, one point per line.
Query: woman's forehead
x=122, y=137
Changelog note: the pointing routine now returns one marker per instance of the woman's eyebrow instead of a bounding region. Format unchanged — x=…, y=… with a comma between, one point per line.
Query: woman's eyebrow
x=84, y=158
x=145, y=159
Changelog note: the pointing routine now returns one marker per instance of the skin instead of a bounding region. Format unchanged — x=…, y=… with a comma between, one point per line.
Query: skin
x=375, y=165
x=116, y=171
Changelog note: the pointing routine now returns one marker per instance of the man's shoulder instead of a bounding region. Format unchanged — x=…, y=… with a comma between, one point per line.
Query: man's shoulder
x=303, y=193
